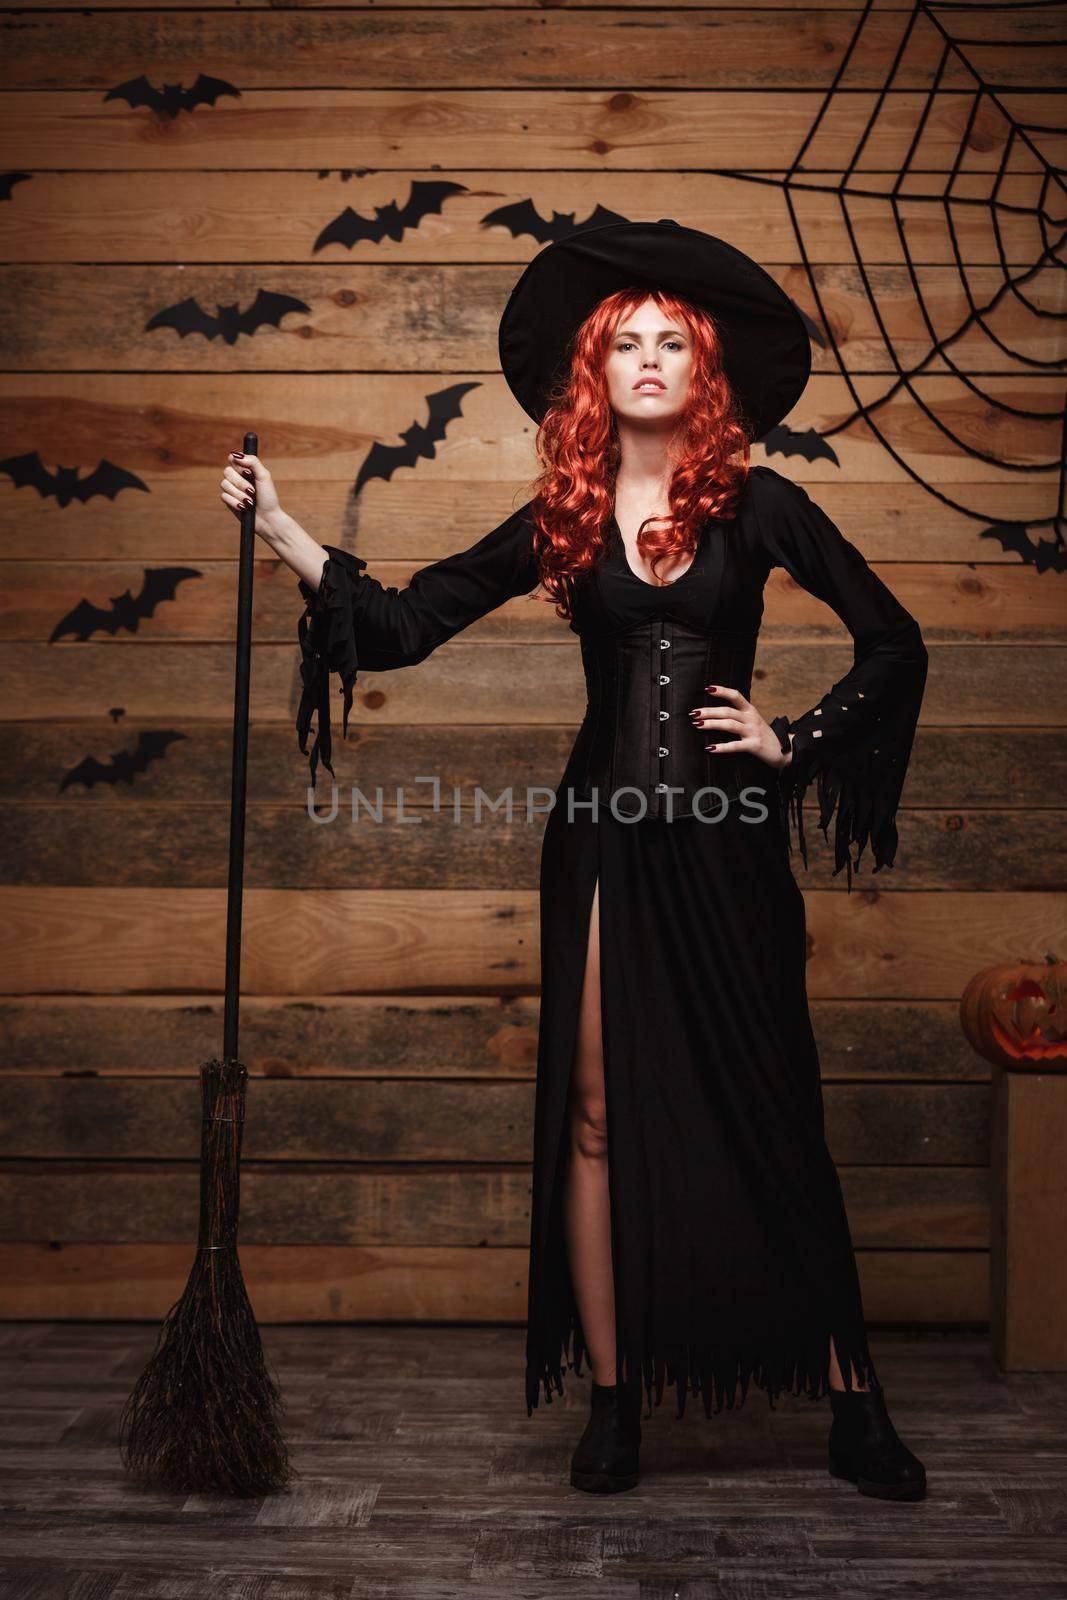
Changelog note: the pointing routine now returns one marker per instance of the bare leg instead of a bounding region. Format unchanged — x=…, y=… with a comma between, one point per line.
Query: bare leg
x=836, y=1380
x=586, y=1202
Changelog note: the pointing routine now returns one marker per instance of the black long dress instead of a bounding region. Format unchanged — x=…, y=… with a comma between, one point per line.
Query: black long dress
x=733, y=1261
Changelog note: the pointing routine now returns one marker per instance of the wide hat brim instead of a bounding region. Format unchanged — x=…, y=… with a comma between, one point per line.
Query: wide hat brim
x=766, y=348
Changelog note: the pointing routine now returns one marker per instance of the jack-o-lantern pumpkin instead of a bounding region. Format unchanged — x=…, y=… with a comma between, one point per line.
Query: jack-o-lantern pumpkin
x=1014, y=1015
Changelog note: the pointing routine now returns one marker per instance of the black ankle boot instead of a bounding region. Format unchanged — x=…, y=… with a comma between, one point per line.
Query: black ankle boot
x=866, y=1448
x=606, y=1456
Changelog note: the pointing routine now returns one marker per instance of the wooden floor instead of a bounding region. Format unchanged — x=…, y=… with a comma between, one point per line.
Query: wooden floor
x=421, y=1477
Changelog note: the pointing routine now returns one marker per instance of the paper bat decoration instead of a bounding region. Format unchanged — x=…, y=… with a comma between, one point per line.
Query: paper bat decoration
x=160, y=583
x=8, y=181
x=382, y=460
x=172, y=98
x=124, y=765
x=522, y=216
x=389, y=221
x=1044, y=555
x=814, y=330
x=64, y=485
x=784, y=441
x=189, y=316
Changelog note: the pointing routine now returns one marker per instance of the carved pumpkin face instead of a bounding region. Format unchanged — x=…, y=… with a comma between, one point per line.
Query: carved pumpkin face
x=1015, y=1016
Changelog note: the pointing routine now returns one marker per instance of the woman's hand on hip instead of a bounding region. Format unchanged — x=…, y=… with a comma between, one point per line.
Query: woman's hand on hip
x=742, y=718
x=246, y=481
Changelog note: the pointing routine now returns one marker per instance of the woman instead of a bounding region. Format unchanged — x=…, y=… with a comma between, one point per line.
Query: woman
x=688, y=1224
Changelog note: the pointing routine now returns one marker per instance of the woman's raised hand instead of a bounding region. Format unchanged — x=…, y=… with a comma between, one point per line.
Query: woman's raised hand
x=246, y=481
x=742, y=718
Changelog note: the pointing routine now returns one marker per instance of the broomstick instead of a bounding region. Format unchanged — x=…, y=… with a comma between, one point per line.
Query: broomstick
x=203, y=1414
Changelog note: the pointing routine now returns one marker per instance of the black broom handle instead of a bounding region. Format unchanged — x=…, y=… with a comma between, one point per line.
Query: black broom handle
x=239, y=771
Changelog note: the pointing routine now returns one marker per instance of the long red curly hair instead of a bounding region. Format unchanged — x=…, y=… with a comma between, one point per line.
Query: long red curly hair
x=578, y=447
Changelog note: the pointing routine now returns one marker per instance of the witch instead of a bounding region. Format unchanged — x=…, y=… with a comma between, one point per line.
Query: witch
x=688, y=1225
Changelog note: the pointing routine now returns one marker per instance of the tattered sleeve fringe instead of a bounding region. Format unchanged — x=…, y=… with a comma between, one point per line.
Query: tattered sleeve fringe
x=857, y=756
x=327, y=644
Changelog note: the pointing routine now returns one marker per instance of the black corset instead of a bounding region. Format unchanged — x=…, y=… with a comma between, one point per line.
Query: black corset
x=637, y=746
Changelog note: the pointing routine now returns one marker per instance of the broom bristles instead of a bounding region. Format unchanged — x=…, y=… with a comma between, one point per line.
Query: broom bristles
x=203, y=1416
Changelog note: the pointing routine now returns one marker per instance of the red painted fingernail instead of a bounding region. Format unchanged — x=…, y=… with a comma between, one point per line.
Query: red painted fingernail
x=711, y=747
x=237, y=455
x=712, y=686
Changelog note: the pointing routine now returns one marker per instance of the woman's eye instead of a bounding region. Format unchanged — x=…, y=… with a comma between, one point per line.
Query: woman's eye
x=628, y=343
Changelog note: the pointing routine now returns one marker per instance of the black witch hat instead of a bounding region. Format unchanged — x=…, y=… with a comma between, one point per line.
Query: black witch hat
x=766, y=349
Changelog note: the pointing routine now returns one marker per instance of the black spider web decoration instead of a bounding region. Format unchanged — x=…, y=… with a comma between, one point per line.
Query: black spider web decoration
x=1020, y=156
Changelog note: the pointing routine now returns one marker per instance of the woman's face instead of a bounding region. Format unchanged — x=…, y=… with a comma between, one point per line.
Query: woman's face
x=647, y=366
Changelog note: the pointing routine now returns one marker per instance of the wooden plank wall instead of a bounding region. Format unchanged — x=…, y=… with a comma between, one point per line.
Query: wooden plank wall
x=390, y=971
